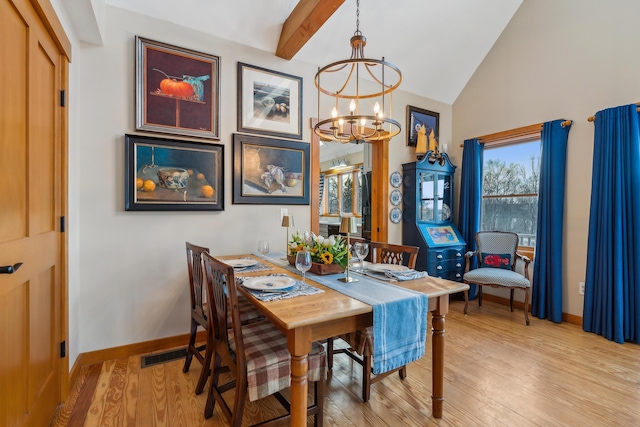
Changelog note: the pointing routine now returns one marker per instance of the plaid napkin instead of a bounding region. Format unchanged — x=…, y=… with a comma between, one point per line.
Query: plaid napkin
x=252, y=269
x=299, y=289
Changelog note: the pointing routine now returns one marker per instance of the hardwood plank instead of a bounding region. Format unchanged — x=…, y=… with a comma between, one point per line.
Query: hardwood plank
x=498, y=372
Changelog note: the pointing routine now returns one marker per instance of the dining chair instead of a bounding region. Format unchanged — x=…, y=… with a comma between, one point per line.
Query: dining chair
x=255, y=353
x=199, y=316
x=361, y=342
x=497, y=252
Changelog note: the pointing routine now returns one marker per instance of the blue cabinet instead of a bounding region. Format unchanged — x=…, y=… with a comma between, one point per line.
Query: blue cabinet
x=427, y=220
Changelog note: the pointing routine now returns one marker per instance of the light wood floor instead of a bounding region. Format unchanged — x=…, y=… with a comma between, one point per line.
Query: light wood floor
x=498, y=372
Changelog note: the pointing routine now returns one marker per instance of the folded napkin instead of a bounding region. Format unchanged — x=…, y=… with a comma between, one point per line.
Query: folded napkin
x=252, y=269
x=298, y=289
x=406, y=275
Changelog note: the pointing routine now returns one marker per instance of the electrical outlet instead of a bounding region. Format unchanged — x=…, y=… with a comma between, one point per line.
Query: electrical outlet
x=283, y=212
x=581, y=288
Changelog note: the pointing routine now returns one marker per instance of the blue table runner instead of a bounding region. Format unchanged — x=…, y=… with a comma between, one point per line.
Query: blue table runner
x=399, y=315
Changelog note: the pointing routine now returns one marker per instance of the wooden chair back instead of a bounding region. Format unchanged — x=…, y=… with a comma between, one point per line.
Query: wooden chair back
x=387, y=253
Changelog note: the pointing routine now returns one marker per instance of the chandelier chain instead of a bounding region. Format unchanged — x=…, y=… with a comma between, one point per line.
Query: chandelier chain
x=357, y=18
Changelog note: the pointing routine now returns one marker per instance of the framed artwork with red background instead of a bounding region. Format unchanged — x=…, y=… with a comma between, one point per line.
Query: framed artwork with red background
x=177, y=90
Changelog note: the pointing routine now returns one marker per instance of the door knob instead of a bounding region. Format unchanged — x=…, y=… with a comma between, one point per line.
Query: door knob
x=10, y=269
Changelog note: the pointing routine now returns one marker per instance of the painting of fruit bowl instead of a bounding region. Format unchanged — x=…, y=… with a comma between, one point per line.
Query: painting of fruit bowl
x=164, y=174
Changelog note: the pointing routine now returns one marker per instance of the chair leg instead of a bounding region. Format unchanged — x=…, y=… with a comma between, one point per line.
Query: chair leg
x=192, y=344
x=526, y=305
x=330, y=354
x=319, y=402
x=466, y=301
x=511, y=301
x=403, y=372
x=366, y=378
x=215, y=375
x=206, y=364
x=479, y=295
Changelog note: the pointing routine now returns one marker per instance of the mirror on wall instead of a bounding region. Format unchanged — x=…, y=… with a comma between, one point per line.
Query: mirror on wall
x=345, y=188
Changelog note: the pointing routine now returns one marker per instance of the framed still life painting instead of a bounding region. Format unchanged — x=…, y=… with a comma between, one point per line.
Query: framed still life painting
x=269, y=102
x=270, y=171
x=177, y=90
x=171, y=175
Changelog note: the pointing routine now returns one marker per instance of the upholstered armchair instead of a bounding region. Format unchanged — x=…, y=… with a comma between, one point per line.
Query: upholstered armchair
x=497, y=252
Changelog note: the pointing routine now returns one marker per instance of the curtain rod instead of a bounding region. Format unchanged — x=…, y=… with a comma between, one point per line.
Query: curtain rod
x=592, y=118
x=518, y=132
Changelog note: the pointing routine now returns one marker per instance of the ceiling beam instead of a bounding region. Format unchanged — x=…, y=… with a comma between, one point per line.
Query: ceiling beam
x=303, y=22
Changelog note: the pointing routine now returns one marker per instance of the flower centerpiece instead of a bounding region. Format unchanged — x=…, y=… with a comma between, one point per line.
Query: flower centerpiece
x=328, y=254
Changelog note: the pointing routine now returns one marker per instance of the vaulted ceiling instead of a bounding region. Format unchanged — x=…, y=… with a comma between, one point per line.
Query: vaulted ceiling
x=437, y=44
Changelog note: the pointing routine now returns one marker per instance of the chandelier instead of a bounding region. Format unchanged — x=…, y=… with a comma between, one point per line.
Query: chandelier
x=357, y=94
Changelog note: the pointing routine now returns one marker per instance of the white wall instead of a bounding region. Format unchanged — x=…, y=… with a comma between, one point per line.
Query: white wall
x=131, y=276
x=558, y=59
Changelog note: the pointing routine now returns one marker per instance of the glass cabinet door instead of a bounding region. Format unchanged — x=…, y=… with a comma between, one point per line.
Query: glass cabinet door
x=427, y=196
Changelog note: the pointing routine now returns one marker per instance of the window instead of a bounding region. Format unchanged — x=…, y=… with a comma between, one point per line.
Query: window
x=343, y=192
x=510, y=175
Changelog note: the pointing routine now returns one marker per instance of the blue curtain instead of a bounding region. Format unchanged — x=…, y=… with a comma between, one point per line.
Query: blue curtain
x=471, y=198
x=547, y=269
x=612, y=285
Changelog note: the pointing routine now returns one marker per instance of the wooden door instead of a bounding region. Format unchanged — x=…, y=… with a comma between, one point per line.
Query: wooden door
x=31, y=204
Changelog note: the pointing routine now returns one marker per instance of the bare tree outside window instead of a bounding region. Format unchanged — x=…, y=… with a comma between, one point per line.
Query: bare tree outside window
x=510, y=190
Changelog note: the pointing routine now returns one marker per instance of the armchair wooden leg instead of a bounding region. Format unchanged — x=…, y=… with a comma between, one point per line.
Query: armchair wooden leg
x=466, y=301
x=511, y=300
x=479, y=295
x=526, y=305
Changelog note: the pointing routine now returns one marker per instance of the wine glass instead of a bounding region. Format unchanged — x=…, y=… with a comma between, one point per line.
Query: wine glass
x=362, y=250
x=303, y=262
x=263, y=247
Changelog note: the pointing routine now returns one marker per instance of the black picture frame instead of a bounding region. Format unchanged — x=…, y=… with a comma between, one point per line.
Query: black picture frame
x=163, y=174
x=163, y=73
x=269, y=102
x=416, y=117
x=270, y=171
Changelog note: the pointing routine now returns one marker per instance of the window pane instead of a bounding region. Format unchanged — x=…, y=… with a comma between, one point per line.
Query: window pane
x=511, y=170
x=515, y=214
x=347, y=193
x=332, y=194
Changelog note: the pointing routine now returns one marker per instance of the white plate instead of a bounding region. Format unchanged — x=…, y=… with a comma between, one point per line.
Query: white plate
x=269, y=283
x=240, y=262
x=388, y=267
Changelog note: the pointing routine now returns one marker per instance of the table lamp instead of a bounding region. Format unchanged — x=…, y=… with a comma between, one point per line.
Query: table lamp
x=348, y=225
x=287, y=221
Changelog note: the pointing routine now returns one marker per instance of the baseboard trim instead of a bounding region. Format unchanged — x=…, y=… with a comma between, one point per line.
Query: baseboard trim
x=566, y=317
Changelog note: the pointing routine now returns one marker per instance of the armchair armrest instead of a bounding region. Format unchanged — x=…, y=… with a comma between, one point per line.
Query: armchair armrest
x=524, y=258
x=469, y=254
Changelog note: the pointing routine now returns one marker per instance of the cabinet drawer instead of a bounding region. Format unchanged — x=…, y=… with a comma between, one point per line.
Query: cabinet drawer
x=445, y=254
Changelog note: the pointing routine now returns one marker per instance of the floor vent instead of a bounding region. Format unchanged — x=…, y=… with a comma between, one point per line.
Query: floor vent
x=168, y=356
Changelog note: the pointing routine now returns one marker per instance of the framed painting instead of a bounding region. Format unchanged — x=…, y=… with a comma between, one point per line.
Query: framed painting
x=270, y=171
x=416, y=117
x=177, y=90
x=269, y=102
x=171, y=175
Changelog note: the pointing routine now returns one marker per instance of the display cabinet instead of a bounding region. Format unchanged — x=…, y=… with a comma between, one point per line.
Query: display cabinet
x=428, y=216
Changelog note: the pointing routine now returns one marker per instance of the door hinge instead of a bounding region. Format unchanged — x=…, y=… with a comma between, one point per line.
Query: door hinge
x=63, y=224
x=63, y=98
x=63, y=349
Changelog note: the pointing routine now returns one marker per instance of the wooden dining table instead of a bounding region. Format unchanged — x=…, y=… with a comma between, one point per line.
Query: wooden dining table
x=316, y=317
